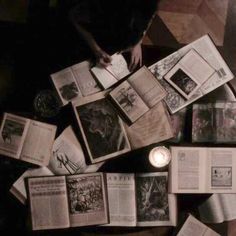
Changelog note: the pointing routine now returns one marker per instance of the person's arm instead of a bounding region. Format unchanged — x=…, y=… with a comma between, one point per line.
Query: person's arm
x=102, y=57
x=136, y=50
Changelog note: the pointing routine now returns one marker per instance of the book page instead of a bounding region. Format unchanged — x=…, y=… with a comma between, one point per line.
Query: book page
x=153, y=127
x=85, y=79
x=155, y=207
x=207, y=50
x=194, y=227
x=129, y=101
x=146, y=85
x=13, y=131
x=48, y=202
x=212, y=210
x=221, y=170
x=105, y=78
x=102, y=129
x=66, y=85
x=18, y=189
x=118, y=67
x=87, y=199
x=38, y=143
x=121, y=198
x=68, y=157
x=188, y=172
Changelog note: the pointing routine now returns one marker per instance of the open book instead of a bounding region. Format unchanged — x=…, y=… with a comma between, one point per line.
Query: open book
x=105, y=135
x=208, y=51
x=27, y=140
x=67, y=201
x=218, y=207
x=189, y=74
x=214, y=122
x=111, y=74
x=74, y=82
x=67, y=158
x=194, y=227
x=202, y=170
x=140, y=200
x=137, y=94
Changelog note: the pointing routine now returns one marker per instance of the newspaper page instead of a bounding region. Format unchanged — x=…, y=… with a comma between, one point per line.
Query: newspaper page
x=153, y=127
x=68, y=157
x=121, y=198
x=18, y=189
x=101, y=127
x=155, y=207
x=194, y=227
x=48, y=202
x=221, y=170
x=207, y=50
x=38, y=143
x=188, y=170
x=85, y=80
x=218, y=207
x=66, y=85
x=87, y=199
x=13, y=131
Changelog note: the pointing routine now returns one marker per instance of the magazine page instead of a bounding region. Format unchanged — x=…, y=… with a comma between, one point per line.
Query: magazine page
x=121, y=198
x=102, y=129
x=203, y=125
x=207, y=50
x=194, y=227
x=66, y=85
x=153, y=127
x=38, y=143
x=129, y=101
x=87, y=199
x=68, y=157
x=13, y=131
x=48, y=202
x=218, y=208
x=188, y=170
x=225, y=117
x=155, y=207
x=18, y=189
x=85, y=79
x=146, y=85
x=221, y=168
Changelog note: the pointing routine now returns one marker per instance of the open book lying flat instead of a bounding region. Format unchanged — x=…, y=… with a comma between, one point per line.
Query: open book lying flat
x=67, y=201
x=138, y=94
x=27, y=140
x=74, y=82
x=203, y=170
x=105, y=134
x=113, y=73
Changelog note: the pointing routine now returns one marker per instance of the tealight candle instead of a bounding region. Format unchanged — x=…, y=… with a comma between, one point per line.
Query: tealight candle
x=159, y=156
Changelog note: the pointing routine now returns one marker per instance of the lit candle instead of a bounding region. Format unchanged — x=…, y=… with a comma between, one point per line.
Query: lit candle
x=159, y=156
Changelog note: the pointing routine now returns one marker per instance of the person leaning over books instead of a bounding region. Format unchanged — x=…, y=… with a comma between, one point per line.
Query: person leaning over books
x=113, y=26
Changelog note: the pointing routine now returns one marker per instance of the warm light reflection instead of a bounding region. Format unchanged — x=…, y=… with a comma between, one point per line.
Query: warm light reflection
x=159, y=156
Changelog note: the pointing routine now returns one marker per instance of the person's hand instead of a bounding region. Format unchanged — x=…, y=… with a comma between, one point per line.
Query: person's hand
x=135, y=57
x=103, y=59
